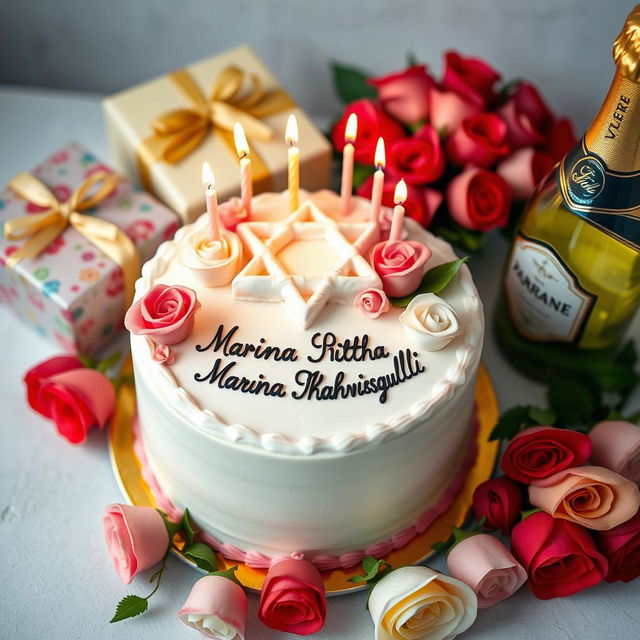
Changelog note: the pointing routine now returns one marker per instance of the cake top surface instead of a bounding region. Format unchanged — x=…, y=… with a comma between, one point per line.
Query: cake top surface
x=248, y=373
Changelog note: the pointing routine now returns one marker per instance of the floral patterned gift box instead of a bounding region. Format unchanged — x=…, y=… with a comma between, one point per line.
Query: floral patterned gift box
x=72, y=292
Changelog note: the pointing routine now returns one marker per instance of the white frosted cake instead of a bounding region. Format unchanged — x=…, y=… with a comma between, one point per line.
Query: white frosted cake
x=287, y=420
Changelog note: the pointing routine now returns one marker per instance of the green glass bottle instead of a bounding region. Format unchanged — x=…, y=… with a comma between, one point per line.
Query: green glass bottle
x=572, y=280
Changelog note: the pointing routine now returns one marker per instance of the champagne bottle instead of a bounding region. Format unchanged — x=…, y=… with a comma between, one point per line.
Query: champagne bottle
x=572, y=280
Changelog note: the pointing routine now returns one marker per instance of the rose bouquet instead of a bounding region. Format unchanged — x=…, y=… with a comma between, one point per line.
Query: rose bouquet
x=470, y=150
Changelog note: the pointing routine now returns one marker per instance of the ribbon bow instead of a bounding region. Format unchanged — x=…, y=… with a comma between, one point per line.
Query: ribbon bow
x=41, y=229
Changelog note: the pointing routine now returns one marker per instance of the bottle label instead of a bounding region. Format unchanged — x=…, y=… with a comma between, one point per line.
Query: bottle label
x=545, y=300
x=609, y=200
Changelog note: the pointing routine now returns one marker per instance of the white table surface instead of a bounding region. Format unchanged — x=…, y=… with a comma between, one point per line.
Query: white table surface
x=57, y=581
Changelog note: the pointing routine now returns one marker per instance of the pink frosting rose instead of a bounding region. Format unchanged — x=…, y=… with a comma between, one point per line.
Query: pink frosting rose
x=372, y=302
x=400, y=265
x=136, y=538
x=448, y=110
x=164, y=313
x=163, y=354
x=488, y=567
x=616, y=445
x=523, y=170
x=217, y=608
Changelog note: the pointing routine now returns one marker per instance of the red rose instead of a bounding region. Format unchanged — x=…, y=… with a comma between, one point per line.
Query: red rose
x=471, y=78
x=73, y=397
x=419, y=160
x=479, y=200
x=404, y=95
x=373, y=123
x=499, y=501
x=560, y=139
x=292, y=598
x=621, y=546
x=480, y=140
x=539, y=452
x=559, y=557
x=527, y=116
x=523, y=170
x=421, y=203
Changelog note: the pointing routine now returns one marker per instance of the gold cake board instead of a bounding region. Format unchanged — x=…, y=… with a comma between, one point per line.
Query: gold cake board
x=128, y=473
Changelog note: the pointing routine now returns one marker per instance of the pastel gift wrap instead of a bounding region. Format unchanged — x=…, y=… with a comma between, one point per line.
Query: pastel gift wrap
x=168, y=104
x=72, y=293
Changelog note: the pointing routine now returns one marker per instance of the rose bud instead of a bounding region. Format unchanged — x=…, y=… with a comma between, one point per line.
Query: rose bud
x=418, y=603
x=479, y=200
x=559, y=557
x=560, y=139
x=447, y=110
x=165, y=314
x=136, y=537
x=527, y=116
x=499, y=501
x=539, y=452
x=523, y=170
x=471, y=78
x=372, y=302
x=616, y=445
x=373, y=123
x=479, y=141
x=621, y=546
x=487, y=566
x=404, y=95
x=419, y=160
x=217, y=608
x=595, y=497
x=292, y=598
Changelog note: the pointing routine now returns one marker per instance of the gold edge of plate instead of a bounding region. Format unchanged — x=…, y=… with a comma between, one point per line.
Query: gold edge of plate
x=128, y=474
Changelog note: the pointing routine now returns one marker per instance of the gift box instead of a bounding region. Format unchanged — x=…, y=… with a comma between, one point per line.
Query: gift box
x=162, y=131
x=72, y=291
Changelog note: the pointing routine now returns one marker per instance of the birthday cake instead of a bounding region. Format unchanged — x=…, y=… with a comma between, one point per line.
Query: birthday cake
x=284, y=401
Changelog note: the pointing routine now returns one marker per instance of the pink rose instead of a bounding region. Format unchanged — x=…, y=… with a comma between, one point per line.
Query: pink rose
x=292, y=598
x=404, y=95
x=372, y=302
x=136, y=538
x=487, y=566
x=616, y=445
x=480, y=141
x=479, y=200
x=419, y=159
x=400, y=265
x=217, y=608
x=163, y=354
x=164, y=313
x=523, y=170
x=471, y=78
x=448, y=110
x=232, y=213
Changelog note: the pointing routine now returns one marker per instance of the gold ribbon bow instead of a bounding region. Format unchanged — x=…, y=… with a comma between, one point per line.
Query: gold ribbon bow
x=178, y=132
x=41, y=229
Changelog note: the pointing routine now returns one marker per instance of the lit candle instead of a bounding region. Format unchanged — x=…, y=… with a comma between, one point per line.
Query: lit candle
x=347, y=163
x=291, y=138
x=378, y=182
x=212, y=200
x=399, y=196
x=246, y=187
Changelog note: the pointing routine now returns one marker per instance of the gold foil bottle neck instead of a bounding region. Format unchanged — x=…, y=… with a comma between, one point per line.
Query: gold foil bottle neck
x=626, y=48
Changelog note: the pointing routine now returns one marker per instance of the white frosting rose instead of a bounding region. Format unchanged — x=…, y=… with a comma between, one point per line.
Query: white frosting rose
x=417, y=603
x=213, y=627
x=429, y=322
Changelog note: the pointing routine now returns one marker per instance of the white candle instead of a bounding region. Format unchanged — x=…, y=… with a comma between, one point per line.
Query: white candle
x=291, y=138
x=350, y=134
x=211, y=200
x=399, y=196
x=246, y=186
x=378, y=182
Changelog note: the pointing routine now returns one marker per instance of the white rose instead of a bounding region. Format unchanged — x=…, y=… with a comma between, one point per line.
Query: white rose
x=212, y=627
x=429, y=322
x=417, y=603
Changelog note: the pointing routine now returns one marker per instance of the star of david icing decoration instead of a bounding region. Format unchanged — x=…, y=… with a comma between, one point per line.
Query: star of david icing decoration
x=306, y=261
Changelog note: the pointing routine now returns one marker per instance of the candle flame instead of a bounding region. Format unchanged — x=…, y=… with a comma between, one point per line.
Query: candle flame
x=242, y=146
x=208, y=179
x=351, y=130
x=400, y=193
x=291, y=132
x=380, y=158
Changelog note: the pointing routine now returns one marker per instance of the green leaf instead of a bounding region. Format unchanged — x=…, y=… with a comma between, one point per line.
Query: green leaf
x=187, y=526
x=628, y=355
x=229, y=574
x=634, y=417
x=434, y=281
x=511, y=422
x=412, y=60
x=350, y=83
x=87, y=362
x=614, y=377
x=472, y=240
x=526, y=514
x=104, y=365
x=440, y=546
x=202, y=555
x=372, y=568
x=360, y=173
x=572, y=401
x=542, y=416
x=129, y=607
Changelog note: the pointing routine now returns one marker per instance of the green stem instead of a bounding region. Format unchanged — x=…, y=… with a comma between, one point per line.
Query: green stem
x=157, y=576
